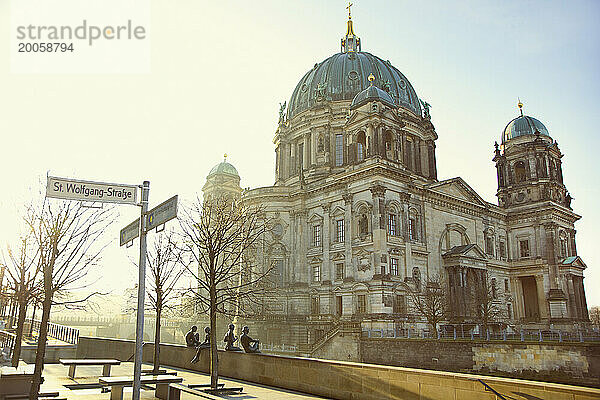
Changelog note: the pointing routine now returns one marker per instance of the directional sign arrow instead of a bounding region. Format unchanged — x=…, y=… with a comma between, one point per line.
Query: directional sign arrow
x=159, y=215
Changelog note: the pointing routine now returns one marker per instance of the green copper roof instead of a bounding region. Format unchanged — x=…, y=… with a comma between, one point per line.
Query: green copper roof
x=523, y=125
x=372, y=93
x=224, y=168
x=343, y=75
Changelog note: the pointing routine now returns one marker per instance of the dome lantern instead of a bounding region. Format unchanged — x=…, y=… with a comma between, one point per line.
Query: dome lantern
x=350, y=42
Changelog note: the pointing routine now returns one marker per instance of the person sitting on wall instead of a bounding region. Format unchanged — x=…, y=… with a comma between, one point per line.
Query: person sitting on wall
x=192, y=338
x=230, y=339
x=203, y=345
x=250, y=345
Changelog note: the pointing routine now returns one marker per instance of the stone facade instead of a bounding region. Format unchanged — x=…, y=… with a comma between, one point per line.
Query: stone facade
x=360, y=220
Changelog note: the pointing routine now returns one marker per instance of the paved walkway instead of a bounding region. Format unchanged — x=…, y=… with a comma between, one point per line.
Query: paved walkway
x=56, y=378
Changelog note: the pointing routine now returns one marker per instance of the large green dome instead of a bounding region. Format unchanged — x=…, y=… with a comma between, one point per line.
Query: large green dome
x=343, y=75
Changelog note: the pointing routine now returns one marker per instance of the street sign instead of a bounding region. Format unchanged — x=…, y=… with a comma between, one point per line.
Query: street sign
x=73, y=189
x=130, y=232
x=162, y=213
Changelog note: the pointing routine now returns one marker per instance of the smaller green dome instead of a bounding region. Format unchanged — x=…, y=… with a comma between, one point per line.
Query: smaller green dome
x=521, y=126
x=372, y=93
x=224, y=168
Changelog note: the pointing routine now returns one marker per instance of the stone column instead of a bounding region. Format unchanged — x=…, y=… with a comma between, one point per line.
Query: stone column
x=405, y=201
x=519, y=303
x=585, y=315
x=306, y=155
x=541, y=293
x=370, y=140
x=302, y=264
x=378, y=195
x=571, y=296
x=293, y=244
x=572, y=242
x=348, y=234
x=328, y=267
x=551, y=245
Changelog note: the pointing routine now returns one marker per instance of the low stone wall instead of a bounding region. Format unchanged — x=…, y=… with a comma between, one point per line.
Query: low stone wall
x=52, y=355
x=338, y=379
x=571, y=363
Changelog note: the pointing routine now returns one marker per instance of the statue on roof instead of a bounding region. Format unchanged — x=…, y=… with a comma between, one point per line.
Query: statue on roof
x=426, y=107
x=282, y=107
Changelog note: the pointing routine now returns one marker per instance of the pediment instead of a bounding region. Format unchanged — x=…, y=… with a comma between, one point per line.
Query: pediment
x=315, y=260
x=467, y=250
x=574, y=261
x=315, y=218
x=337, y=211
x=459, y=189
x=361, y=253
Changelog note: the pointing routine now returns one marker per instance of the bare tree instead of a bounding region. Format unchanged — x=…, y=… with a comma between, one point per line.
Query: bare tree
x=432, y=302
x=23, y=278
x=221, y=236
x=164, y=263
x=483, y=301
x=66, y=235
x=595, y=316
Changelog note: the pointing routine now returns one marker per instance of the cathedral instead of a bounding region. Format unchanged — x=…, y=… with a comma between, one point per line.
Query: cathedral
x=361, y=220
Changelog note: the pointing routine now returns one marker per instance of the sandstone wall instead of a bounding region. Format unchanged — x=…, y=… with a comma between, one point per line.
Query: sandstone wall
x=572, y=363
x=341, y=380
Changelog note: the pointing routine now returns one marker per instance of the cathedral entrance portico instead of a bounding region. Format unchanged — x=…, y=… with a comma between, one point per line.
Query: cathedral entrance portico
x=530, y=298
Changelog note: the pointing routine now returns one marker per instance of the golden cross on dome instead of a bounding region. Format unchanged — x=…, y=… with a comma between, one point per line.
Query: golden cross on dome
x=520, y=105
x=349, y=11
x=225, y=157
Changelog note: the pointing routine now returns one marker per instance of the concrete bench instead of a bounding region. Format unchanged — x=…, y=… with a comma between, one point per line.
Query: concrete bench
x=117, y=383
x=41, y=396
x=175, y=390
x=73, y=363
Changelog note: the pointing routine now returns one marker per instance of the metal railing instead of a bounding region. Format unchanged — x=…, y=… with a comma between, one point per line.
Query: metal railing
x=524, y=335
x=7, y=342
x=488, y=388
x=56, y=331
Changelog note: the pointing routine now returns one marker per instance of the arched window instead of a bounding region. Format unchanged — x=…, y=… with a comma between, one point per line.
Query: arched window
x=494, y=291
x=363, y=224
x=520, y=173
x=361, y=146
x=388, y=140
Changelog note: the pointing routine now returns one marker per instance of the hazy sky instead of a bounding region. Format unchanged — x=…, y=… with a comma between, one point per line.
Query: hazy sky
x=220, y=69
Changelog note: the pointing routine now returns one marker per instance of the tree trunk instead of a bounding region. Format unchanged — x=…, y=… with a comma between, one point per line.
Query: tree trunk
x=43, y=334
x=214, y=364
x=157, y=341
x=41, y=348
x=19, y=338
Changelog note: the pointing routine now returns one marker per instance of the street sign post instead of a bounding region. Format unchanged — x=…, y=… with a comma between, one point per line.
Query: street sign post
x=159, y=215
x=147, y=221
x=75, y=189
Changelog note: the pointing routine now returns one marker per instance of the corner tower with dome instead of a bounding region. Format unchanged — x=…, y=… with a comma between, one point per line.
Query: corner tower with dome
x=361, y=221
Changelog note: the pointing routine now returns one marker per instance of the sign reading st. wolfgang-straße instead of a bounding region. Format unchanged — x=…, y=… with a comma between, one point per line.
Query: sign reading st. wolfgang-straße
x=73, y=189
